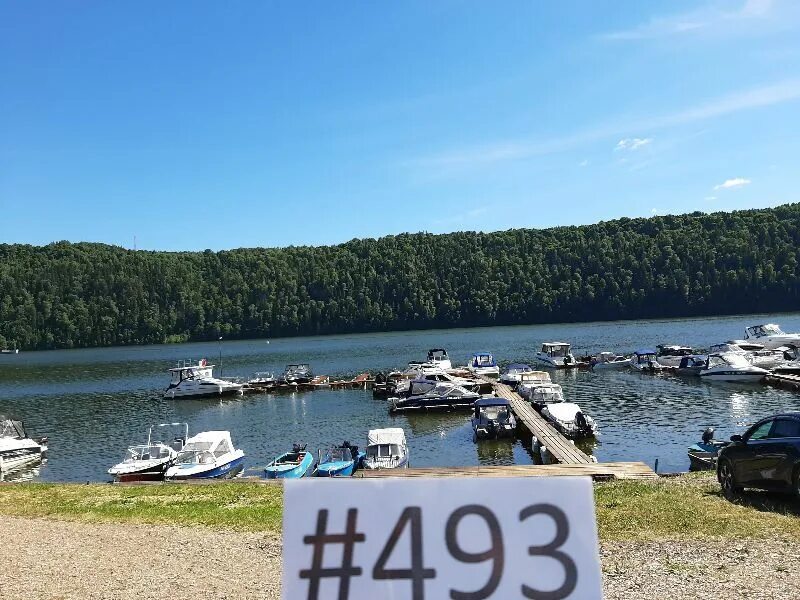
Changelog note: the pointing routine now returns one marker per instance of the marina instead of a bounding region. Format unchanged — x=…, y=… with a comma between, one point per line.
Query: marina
x=93, y=404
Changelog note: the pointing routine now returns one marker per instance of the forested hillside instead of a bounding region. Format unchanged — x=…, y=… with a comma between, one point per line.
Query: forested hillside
x=68, y=295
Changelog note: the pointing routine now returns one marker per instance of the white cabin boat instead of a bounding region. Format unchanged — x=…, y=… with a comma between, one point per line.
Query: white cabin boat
x=207, y=455
x=149, y=461
x=555, y=355
x=437, y=357
x=197, y=381
x=670, y=355
x=755, y=354
x=645, y=360
x=530, y=381
x=771, y=336
x=609, y=360
x=386, y=449
x=730, y=366
x=570, y=420
x=513, y=374
x=16, y=448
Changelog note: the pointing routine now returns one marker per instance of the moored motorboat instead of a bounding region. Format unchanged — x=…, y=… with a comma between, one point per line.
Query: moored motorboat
x=386, y=449
x=609, y=360
x=433, y=395
x=670, y=355
x=290, y=465
x=296, y=374
x=771, y=336
x=543, y=395
x=492, y=418
x=556, y=355
x=513, y=373
x=340, y=461
x=262, y=379
x=149, y=461
x=569, y=420
x=207, y=455
x=645, y=360
x=437, y=357
x=483, y=364
x=691, y=365
x=756, y=354
x=16, y=448
x=197, y=381
x=703, y=454
x=729, y=366
x=530, y=381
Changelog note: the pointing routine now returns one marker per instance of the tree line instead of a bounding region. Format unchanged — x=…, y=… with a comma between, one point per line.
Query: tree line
x=67, y=295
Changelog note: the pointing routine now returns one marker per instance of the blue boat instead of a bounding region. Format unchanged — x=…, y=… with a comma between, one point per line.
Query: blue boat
x=340, y=461
x=290, y=465
x=703, y=454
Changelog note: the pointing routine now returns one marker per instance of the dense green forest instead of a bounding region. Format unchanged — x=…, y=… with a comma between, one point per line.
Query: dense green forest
x=68, y=295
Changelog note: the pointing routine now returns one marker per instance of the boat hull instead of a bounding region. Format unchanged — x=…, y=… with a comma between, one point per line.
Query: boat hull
x=16, y=458
x=732, y=377
x=337, y=469
x=283, y=471
x=223, y=471
x=376, y=466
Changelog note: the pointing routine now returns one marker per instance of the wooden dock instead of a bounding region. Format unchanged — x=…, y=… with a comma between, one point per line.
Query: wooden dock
x=597, y=471
x=783, y=380
x=559, y=447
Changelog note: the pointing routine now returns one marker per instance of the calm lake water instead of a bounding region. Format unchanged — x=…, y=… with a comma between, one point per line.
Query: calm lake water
x=93, y=403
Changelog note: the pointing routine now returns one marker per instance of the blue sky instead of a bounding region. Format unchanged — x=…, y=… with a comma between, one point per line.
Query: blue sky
x=195, y=125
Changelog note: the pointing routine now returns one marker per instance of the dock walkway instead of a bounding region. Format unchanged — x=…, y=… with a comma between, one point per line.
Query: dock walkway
x=559, y=447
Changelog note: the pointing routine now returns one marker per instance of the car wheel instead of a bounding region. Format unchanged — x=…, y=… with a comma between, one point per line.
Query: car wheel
x=796, y=483
x=727, y=480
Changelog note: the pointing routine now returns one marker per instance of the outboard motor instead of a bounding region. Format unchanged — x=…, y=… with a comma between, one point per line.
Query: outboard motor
x=708, y=435
x=580, y=421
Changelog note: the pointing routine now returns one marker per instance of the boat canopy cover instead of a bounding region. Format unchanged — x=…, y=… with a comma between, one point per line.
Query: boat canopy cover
x=492, y=401
x=645, y=351
x=564, y=411
x=391, y=435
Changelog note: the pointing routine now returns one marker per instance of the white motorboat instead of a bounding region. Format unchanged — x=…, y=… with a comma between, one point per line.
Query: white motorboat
x=771, y=336
x=207, y=455
x=483, y=364
x=609, y=360
x=670, y=355
x=197, y=381
x=645, y=360
x=543, y=395
x=437, y=357
x=262, y=379
x=296, y=374
x=755, y=354
x=570, y=420
x=436, y=374
x=555, y=355
x=530, y=381
x=147, y=462
x=513, y=373
x=730, y=366
x=386, y=449
x=16, y=448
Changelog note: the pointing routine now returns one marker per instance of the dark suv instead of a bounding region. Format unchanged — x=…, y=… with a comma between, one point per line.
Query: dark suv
x=767, y=456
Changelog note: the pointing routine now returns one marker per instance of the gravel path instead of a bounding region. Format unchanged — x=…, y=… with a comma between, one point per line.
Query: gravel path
x=61, y=559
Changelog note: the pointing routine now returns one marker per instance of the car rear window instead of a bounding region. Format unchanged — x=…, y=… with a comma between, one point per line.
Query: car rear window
x=784, y=428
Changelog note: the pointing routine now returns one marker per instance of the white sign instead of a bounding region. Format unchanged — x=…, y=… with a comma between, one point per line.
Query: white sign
x=438, y=538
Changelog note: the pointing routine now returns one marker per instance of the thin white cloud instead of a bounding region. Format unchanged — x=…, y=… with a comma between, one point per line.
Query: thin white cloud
x=509, y=150
x=584, y=163
x=632, y=143
x=732, y=183
x=710, y=18
x=710, y=198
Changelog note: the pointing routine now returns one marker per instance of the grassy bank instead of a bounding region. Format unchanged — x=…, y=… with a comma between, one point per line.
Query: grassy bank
x=687, y=507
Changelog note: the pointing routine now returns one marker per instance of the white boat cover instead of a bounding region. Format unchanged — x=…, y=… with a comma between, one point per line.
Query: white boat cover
x=564, y=411
x=391, y=435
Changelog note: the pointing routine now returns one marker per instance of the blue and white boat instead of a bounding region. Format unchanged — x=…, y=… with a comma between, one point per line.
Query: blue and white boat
x=483, y=363
x=207, y=455
x=340, y=461
x=290, y=465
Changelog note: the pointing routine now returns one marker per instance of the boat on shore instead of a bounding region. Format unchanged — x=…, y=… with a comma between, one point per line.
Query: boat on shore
x=290, y=465
x=16, y=448
x=207, y=455
x=339, y=461
x=386, y=449
x=150, y=461
x=197, y=381
x=492, y=419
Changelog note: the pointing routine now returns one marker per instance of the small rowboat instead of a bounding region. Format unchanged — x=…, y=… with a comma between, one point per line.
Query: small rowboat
x=290, y=465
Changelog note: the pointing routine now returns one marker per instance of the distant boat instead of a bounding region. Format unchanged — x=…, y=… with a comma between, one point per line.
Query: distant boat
x=609, y=360
x=556, y=355
x=290, y=465
x=340, y=461
x=645, y=360
x=437, y=357
x=670, y=355
x=9, y=351
x=771, y=336
x=296, y=374
x=16, y=448
x=197, y=381
x=207, y=455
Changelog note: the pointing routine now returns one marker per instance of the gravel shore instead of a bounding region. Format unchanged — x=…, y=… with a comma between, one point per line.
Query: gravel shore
x=62, y=559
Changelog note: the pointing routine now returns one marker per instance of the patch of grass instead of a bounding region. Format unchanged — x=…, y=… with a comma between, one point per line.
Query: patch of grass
x=240, y=506
x=689, y=507
x=686, y=507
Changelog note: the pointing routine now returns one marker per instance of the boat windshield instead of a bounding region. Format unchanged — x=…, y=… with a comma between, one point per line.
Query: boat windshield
x=559, y=351
x=547, y=395
x=339, y=454
x=734, y=360
x=196, y=453
x=145, y=452
x=383, y=450
x=769, y=329
x=11, y=429
x=483, y=360
x=494, y=413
